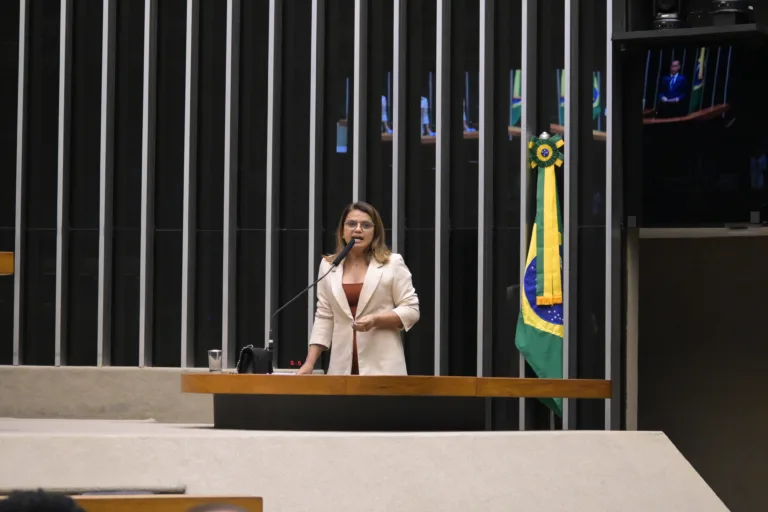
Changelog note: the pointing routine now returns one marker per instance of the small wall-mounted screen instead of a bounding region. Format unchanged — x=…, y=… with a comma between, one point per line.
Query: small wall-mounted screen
x=705, y=137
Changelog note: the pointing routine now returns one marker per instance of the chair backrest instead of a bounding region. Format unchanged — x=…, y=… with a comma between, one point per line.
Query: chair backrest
x=163, y=502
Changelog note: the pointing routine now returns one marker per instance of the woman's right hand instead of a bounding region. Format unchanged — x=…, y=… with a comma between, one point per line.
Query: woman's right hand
x=306, y=369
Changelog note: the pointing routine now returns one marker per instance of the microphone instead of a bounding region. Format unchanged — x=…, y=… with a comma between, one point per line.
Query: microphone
x=343, y=253
x=339, y=258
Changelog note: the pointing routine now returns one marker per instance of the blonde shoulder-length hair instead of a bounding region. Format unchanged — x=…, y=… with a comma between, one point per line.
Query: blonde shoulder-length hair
x=378, y=249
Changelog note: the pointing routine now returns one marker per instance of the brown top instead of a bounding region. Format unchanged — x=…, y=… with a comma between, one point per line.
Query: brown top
x=390, y=385
x=352, y=291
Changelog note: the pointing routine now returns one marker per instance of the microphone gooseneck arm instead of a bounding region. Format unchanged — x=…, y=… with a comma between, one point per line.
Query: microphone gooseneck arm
x=342, y=254
x=302, y=292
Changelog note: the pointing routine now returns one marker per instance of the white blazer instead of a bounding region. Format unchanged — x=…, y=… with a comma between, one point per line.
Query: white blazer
x=387, y=287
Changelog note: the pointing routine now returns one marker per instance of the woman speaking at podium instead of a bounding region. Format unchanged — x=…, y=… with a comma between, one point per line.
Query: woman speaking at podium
x=364, y=302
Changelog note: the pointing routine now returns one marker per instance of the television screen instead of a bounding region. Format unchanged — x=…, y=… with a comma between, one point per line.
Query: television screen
x=704, y=136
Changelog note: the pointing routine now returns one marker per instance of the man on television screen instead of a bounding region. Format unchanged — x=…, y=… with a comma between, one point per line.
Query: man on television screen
x=672, y=92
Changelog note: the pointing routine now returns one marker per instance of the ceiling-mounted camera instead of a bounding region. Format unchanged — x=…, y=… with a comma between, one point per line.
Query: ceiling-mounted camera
x=731, y=12
x=668, y=14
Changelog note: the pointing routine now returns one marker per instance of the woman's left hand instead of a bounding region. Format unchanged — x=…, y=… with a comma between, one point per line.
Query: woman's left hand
x=364, y=323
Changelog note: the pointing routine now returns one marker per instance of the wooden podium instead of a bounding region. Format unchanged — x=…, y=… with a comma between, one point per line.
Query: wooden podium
x=6, y=263
x=370, y=403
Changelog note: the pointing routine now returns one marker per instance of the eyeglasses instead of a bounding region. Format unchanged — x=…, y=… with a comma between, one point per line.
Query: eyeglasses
x=364, y=225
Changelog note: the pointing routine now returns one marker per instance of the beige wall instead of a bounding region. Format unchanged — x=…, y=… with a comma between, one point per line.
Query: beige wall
x=100, y=393
x=703, y=358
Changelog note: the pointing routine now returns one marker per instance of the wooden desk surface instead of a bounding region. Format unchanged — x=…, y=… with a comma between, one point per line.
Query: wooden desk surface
x=703, y=114
x=560, y=130
x=162, y=503
x=500, y=387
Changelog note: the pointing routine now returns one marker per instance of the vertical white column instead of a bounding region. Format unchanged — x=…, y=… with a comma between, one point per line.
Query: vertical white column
x=188, y=248
x=360, y=101
x=106, y=173
x=274, y=72
x=147, y=235
x=570, y=201
x=316, y=102
x=399, y=101
x=62, y=191
x=21, y=147
x=614, y=211
x=442, y=183
x=231, y=150
x=528, y=123
x=485, y=193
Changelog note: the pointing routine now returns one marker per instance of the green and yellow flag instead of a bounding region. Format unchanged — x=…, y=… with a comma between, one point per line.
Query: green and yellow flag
x=699, y=75
x=595, y=96
x=515, y=94
x=539, y=335
x=561, y=102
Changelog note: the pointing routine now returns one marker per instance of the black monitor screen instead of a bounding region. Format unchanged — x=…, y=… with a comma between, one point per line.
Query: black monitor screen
x=704, y=136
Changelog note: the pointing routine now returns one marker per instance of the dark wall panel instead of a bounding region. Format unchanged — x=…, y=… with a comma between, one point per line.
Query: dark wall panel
x=506, y=203
x=7, y=242
x=125, y=298
x=210, y=178
x=464, y=105
x=419, y=251
x=462, y=313
x=39, y=297
x=250, y=289
x=208, y=298
x=169, y=182
x=701, y=360
x=169, y=149
x=419, y=341
x=506, y=187
x=84, y=179
x=590, y=270
x=82, y=299
x=129, y=83
x=506, y=310
x=166, y=347
x=339, y=114
x=252, y=174
x=42, y=116
x=85, y=120
x=210, y=115
x=380, y=107
x=41, y=180
x=293, y=220
x=9, y=91
x=292, y=323
x=127, y=183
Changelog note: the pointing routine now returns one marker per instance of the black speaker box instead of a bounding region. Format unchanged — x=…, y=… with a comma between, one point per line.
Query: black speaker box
x=668, y=14
x=732, y=12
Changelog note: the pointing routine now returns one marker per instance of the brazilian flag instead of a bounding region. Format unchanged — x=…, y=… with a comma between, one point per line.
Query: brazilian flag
x=515, y=94
x=699, y=74
x=595, y=96
x=539, y=335
x=562, y=97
